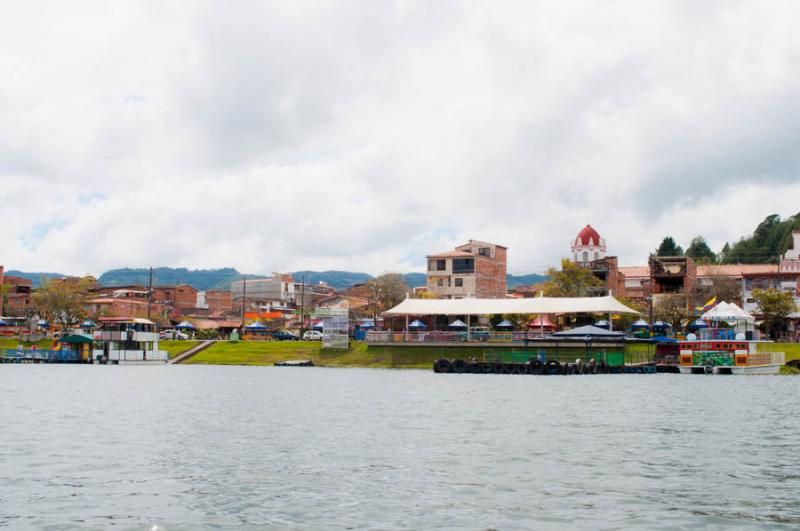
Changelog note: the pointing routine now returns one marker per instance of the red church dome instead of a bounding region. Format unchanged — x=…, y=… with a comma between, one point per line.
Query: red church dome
x=588, y=236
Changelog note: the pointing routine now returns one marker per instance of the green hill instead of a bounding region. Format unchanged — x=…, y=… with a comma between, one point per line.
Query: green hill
x=206, y=279
x=36, y=278
x=768, y=242
x=202, y=279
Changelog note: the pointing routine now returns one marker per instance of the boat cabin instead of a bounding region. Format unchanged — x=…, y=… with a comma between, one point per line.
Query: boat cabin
x=127, y=339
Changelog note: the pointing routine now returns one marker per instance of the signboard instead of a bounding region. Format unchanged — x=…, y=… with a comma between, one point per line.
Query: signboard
x=335, y=327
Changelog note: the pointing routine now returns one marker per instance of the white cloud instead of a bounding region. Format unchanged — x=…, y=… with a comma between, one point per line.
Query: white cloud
x=360, y=136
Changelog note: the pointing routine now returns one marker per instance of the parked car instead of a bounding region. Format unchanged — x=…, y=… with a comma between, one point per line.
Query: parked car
x=172, y=334
x=284, y=335
x=479, y=333
x=313, y=335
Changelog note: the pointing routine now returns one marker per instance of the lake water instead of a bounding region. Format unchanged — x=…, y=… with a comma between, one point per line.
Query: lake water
x=192, y=447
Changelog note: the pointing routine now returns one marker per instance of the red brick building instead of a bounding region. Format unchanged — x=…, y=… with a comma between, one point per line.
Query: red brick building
x=219, y=301
x=18, y=295
x=181, y=297
x=473, y=270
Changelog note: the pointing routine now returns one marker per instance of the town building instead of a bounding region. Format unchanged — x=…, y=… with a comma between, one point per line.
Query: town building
x=17, y=298
x=588, y=246
x=278, y=291
x=589, y=251
x=473, y=270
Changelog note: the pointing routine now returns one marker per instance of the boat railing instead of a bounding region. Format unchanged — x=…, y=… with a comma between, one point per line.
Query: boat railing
x=40, y=355
x=766, y=358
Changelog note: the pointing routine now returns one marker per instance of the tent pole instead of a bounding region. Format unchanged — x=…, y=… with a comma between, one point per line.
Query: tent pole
x=610, y=322
x=541, y=325
x=406, y=330
x=469, y=320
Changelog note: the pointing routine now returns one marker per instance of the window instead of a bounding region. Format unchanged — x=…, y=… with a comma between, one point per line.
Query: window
x=463, y=265
x=459, y=282
x=596, y=255
x=440, y=282
x=585, y=256
x=484, y=251
x=441, y=265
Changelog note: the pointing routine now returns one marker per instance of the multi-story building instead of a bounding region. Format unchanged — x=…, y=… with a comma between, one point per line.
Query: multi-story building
x=589, y=251
x=277, y=289
x=181, y=297
x=17, y=297
x=473, y=270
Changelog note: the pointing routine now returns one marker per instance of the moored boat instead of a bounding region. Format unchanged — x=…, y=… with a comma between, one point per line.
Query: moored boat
x=716, y=353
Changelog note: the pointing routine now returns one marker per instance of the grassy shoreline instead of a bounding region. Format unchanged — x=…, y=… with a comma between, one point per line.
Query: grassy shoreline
x=359, y=354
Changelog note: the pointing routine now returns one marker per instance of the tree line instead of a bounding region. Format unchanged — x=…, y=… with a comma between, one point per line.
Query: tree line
x=771, y=238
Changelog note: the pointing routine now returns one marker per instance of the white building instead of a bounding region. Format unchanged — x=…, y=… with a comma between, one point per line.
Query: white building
x=588, y=246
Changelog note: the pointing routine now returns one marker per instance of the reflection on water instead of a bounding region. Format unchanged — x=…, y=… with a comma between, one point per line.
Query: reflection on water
x=215, y=447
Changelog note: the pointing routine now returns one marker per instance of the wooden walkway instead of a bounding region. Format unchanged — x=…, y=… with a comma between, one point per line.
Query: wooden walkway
x=191, y=352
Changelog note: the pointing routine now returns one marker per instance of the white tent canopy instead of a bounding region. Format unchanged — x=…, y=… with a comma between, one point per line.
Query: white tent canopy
x=728, y=312
x=538, y=305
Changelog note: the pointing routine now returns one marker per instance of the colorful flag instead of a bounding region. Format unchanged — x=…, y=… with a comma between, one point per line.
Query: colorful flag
x=707, y=306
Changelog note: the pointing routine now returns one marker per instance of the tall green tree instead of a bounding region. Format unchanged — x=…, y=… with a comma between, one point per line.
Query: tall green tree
x=387, y=291
x=768, y=242
x=668, y=247
x=699, y=251
x=61, y=301
x=672, y=309
x=774, y=305
x=571, y=281
x=726, y=249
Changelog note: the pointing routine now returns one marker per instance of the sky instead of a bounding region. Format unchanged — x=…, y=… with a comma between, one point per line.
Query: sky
x=363, y=135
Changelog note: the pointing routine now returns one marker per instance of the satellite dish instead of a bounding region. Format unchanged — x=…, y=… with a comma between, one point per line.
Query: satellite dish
x=691, y=337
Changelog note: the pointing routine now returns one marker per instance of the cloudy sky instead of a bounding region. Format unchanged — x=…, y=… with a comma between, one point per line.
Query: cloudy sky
x=275, y=136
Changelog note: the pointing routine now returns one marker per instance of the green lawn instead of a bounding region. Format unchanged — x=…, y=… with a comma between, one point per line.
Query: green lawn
x=792, y=350
x=358, y=355
x=174, y=348
x=10, y=342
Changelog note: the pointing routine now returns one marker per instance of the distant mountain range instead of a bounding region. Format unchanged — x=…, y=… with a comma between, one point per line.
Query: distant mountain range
x=206, y=279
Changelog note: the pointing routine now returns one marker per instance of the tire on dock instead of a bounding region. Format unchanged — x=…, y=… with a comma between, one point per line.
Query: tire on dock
x=459, y=366
x=552, y=367
x=441, y=365
x=535, y=367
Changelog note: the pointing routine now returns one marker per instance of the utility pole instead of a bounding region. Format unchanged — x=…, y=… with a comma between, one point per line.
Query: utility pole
x=149, y=293
x=244, y=297
x=302, y=302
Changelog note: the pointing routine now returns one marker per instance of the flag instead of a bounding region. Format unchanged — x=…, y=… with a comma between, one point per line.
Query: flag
x=707, y=306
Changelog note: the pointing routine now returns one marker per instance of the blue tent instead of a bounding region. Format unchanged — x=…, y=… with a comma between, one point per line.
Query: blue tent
x=366, y=323
x=602, y=323
x=252, y=327
x=417, y=325
x=88, y=323
x=504, y=325
x=661, y=325
x=664, y=339
x=318, y=326
x=4, y=323
x=697, y=324
x=641, y=324
x=186, y=325
x=43, y=324
x=458, y=324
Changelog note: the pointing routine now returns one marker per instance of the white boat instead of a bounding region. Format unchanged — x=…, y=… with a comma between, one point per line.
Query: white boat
x=127, y=341
x=718, y=354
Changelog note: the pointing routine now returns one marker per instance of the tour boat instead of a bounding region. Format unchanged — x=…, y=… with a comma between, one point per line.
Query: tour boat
x=719, y=353
x=127, y=340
